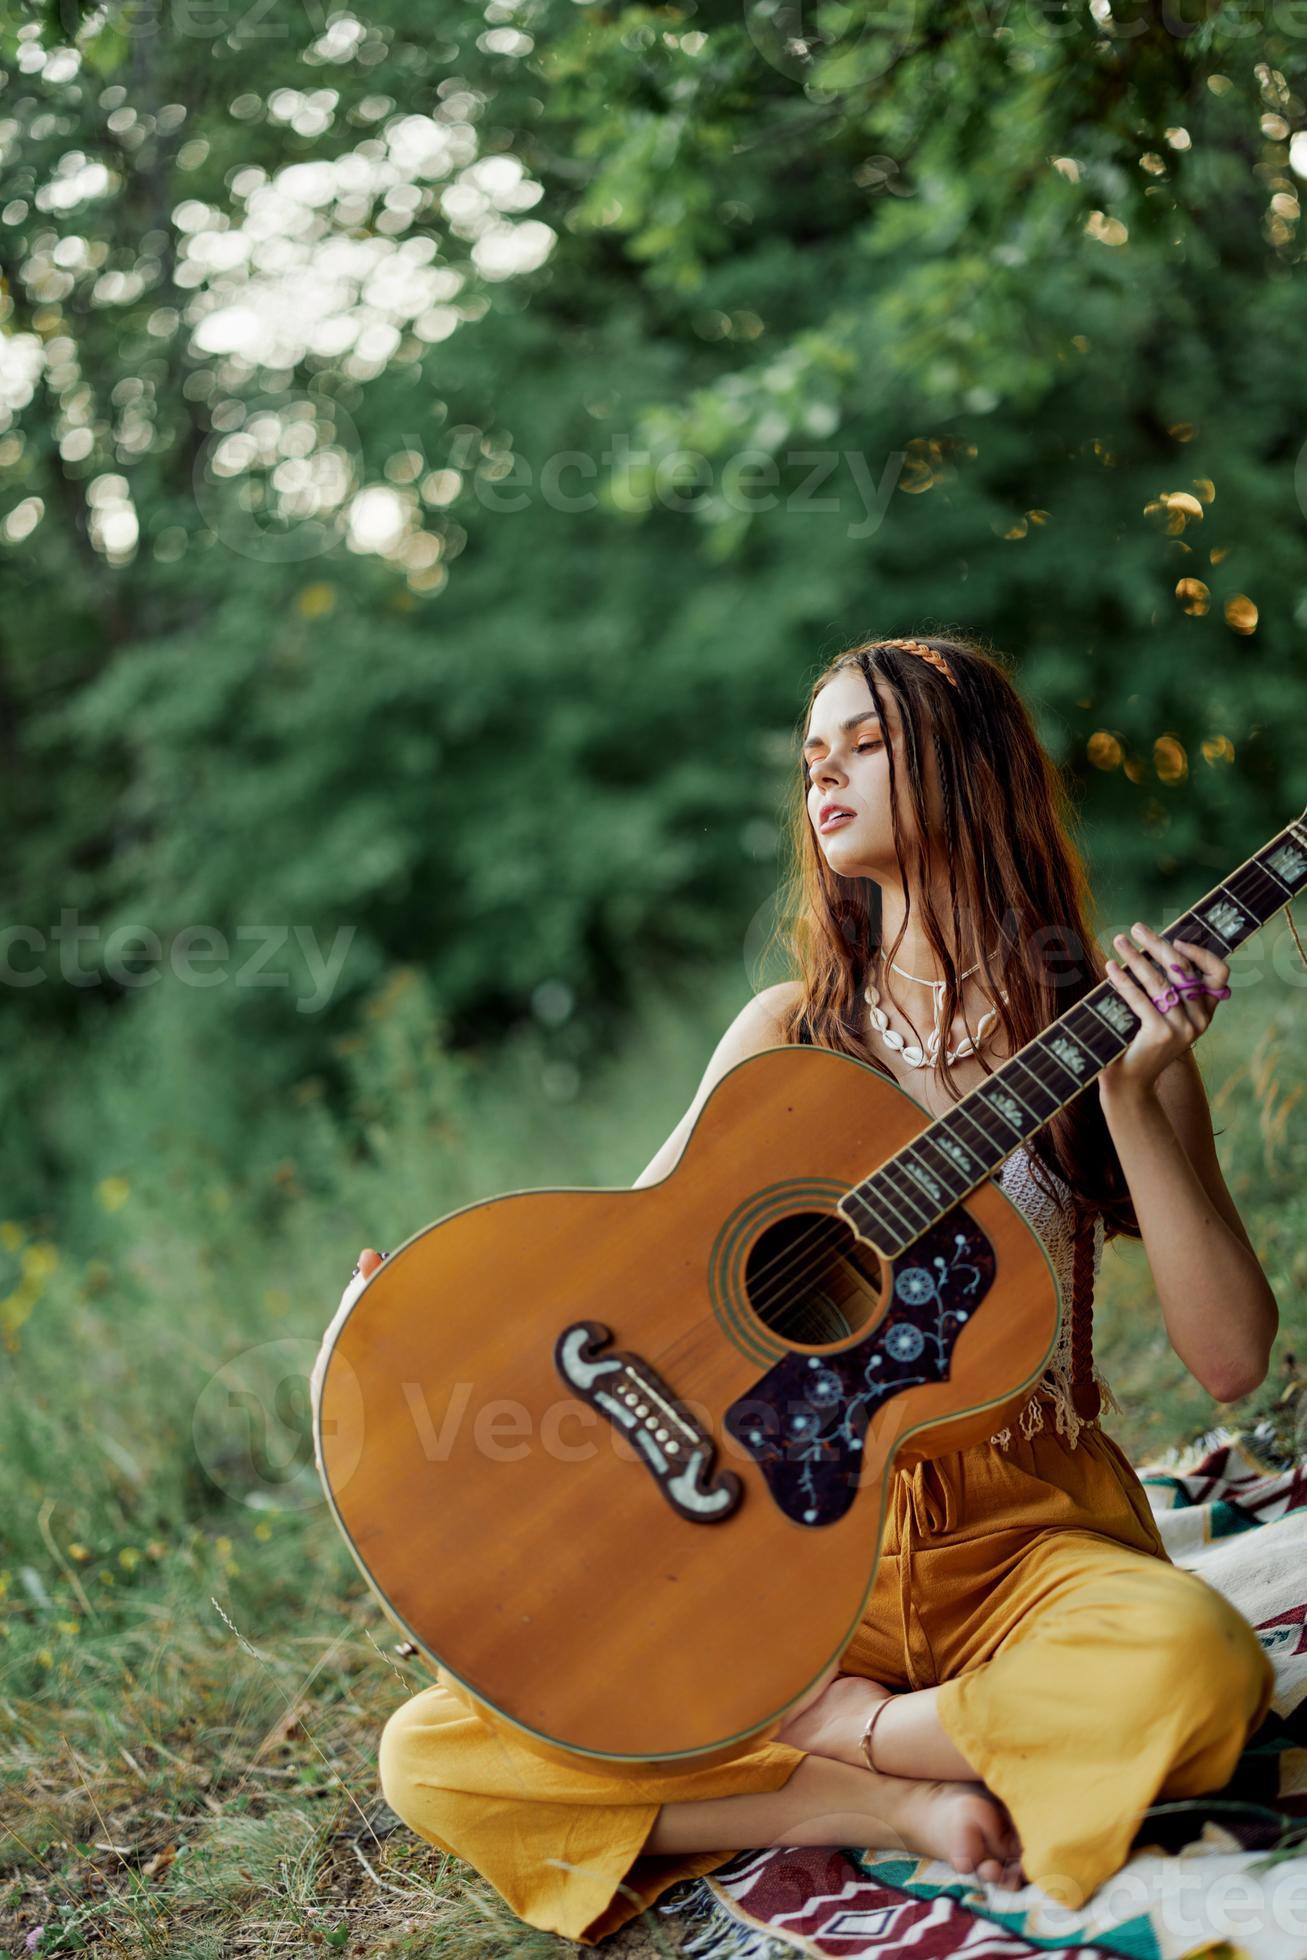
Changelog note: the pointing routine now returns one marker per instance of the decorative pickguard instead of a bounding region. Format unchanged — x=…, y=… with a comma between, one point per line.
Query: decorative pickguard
x=638, y=1401
x=804, y=1422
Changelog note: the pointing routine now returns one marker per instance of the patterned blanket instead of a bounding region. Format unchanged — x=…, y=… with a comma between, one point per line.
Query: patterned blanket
x=1224, y=1874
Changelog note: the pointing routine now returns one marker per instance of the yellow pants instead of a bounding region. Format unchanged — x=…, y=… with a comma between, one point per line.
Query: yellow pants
x=1084, y=1677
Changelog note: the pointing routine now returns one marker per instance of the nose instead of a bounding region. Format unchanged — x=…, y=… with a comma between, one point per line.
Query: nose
x=826, y=774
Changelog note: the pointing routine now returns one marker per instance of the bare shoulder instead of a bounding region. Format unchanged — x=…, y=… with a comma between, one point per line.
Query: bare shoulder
x=758, y=1023
x=755, y=1027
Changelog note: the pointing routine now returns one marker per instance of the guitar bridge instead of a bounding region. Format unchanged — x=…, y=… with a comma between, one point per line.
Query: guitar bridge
x=639, y=1404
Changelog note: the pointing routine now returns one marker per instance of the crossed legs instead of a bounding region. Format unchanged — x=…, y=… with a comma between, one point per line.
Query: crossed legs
x=1129, y=1680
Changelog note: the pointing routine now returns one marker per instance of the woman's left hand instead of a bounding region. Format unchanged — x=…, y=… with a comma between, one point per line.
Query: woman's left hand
x=1148, y=969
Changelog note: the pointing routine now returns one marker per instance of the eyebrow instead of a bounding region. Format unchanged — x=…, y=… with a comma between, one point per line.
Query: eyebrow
x=815, y=742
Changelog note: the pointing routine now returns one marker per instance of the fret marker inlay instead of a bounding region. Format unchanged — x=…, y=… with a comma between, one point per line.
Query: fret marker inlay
x=1068, y=1054
x=1008, y=1107
x=1225, y=918
x=1288, y=863
x=1116, y=1013
x=913, y=1191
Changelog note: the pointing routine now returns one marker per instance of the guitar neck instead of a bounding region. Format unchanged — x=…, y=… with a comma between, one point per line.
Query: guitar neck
x=918, y=1186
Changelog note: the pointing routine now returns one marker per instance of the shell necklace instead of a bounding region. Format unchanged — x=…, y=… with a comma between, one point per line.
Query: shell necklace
x=913, y=1053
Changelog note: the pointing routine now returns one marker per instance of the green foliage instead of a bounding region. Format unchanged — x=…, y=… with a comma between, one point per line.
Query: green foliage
x=409, y=608
x=991, y=292
x=191, y=1666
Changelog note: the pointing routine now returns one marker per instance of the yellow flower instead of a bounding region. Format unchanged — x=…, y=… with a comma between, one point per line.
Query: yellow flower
x=315, y=601
x=38, y=1260
x=129, y=1558
x=222, y=1546
x=113, y=1192
x=79, y=1552
x=263, y=1531
x=11, y=1235
x=15, y=1309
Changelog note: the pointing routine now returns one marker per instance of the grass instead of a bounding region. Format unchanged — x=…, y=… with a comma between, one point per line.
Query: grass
x=192, y=1673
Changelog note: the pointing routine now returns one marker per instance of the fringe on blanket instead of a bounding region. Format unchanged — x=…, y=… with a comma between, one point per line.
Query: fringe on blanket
x=1194, y=1452
x=1257, y=1440
x=714, y=1933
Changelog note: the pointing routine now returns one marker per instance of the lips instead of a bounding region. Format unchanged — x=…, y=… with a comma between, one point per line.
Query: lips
x=832, y=815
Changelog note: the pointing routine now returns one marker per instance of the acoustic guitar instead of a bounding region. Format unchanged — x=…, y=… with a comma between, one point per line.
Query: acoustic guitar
x=617, y=1460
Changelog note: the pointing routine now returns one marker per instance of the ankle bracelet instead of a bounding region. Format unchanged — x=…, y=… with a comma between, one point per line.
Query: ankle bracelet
x=876, y=1713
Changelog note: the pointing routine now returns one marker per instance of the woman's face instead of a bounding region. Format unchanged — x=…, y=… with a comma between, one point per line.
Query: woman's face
x=848, y=798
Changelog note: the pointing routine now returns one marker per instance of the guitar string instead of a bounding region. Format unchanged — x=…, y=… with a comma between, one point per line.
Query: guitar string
x=806, y=1241
x=833, y=1231
x=837, y=1230
x=809, y=1241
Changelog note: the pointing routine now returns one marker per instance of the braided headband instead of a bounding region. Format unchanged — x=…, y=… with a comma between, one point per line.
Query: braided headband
x=924, y=652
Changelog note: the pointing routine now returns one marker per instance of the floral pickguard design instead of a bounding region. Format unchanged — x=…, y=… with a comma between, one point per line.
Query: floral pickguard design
x=804, y=1422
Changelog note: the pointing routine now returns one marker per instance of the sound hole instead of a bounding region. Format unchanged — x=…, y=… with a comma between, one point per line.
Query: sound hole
x=812, y=1281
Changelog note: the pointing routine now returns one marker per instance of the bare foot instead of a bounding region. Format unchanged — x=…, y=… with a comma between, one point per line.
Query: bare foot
x=960, y=1823
x=833, y=1724
x=963, y=1824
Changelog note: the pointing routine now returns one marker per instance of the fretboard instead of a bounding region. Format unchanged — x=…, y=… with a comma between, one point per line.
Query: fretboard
x=916, y=1187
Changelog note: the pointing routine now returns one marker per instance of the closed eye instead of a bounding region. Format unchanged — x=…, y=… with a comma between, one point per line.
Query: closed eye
x=863, y=748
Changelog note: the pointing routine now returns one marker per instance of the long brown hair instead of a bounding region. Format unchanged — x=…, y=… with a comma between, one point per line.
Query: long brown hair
x=1017, y=882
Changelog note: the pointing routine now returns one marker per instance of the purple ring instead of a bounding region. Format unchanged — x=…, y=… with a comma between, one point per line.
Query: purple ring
x=1165, y=1001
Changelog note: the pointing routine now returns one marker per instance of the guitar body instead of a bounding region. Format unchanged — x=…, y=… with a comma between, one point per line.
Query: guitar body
x=619, y=1459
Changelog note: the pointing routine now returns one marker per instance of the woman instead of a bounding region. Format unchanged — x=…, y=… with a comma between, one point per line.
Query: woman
x=1031, y=1671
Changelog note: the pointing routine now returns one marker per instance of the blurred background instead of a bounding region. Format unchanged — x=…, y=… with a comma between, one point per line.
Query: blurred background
x=437, y=447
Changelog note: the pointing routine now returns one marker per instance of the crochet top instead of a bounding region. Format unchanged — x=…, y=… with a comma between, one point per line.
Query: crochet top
x=1072, y=1366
